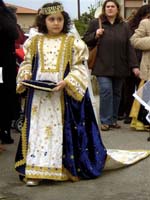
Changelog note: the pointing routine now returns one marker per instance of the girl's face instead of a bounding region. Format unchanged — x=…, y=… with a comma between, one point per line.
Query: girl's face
x=111, y=9
x=54, y=23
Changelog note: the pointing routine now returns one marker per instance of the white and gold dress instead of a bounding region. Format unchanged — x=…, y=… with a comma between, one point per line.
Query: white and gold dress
x=60, y=139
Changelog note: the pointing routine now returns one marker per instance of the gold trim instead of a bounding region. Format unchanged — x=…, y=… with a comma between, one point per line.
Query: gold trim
x=71, y=90
x=24, y=145
x=68, y=51
x=79, y=81
x=62, y=174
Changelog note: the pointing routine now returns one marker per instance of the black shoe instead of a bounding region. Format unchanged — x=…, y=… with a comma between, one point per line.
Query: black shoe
x=148, y=139
x=127, y=120
x=6, y=138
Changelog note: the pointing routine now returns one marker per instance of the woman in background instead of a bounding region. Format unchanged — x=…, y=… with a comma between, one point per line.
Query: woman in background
x=141, y=41
x=131, y=82
x=115, y=58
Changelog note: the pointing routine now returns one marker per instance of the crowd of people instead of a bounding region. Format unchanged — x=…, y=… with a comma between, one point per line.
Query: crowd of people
x=60, y=138
x=132, y=82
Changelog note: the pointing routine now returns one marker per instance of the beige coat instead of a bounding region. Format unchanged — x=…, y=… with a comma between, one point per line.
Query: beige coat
x=141, y=40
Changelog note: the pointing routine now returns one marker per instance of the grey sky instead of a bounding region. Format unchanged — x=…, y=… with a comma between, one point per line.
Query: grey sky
x=70, y=5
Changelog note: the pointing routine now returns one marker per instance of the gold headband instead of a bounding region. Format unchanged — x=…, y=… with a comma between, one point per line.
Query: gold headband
x=51, y=10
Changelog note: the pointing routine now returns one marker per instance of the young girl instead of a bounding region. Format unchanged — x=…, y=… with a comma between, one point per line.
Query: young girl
x=60, y=138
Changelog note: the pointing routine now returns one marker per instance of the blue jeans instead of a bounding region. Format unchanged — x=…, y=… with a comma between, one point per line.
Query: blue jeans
x=110, y=96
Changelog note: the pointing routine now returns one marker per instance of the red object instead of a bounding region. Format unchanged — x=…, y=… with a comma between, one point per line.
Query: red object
x=19, y=57
x=21, y=39
x=20, y=53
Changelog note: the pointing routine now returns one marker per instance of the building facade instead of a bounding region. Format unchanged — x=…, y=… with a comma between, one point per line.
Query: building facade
x=129, y=6
x=25, y=16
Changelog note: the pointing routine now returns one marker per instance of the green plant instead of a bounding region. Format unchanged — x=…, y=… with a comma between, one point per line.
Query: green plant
x=82, y=23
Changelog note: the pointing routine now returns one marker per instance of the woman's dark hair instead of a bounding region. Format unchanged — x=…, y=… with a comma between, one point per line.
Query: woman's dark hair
x=6, y=11
x=13, y=10
x=103, y=15
x=2, y=5
x=140, y=14
x=41, y=19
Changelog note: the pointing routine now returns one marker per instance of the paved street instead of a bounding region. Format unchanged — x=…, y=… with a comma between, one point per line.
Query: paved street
x=130, y=183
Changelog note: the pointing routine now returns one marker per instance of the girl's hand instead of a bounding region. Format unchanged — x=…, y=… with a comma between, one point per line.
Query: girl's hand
x=27, y=77
x=60, y=85
x=20, y=88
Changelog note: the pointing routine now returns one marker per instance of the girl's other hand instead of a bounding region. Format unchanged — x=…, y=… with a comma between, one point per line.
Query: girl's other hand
x=60, y=85
x=27, y=77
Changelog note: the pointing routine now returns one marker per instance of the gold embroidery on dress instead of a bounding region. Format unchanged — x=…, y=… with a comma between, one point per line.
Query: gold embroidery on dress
x=34, y=110
x=59, y=57
x=48, y=131
x=71, y=91
x=78, y=81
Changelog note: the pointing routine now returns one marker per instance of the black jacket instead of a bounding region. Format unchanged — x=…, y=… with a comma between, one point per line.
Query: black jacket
x=8, y=35
x=115, y=54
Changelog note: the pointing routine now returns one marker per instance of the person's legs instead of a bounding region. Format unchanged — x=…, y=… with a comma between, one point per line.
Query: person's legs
x=5, y=132
x=117, y=89
x=130, y=85
x=106, y=101
x=121, y=112
x=6, y=107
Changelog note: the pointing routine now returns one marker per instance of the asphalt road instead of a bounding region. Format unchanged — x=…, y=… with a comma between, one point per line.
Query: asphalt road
x=130, y=183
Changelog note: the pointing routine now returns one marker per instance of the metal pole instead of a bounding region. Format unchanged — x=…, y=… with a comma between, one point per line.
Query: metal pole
x=78, y=2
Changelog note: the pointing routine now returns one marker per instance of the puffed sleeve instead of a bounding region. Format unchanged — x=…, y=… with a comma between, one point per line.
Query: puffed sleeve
x=77, y=78
x=141, y=38
x=26, y=66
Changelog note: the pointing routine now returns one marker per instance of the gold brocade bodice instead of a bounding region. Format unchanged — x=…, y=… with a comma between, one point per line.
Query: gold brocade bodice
x=54, y=52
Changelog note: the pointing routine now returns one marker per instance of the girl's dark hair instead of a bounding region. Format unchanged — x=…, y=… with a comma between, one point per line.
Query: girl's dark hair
x=41, y=19
x=103, y=15
x=140, y=14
